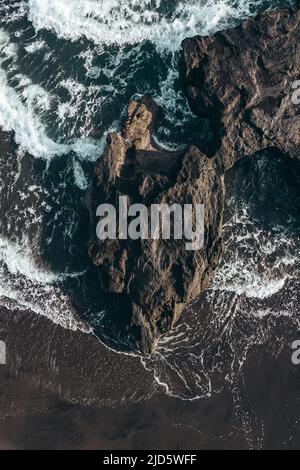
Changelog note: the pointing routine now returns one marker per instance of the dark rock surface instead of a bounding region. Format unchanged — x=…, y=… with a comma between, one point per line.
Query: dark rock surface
x=241, y=81
x=155, y=279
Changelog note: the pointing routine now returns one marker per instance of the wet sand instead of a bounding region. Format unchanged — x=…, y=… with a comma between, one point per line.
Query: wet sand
x=55, y=395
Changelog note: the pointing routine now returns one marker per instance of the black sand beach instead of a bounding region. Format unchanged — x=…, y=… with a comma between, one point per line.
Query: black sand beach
x=53, y=397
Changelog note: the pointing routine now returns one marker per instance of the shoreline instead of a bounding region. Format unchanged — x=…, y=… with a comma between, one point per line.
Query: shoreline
x=42, y=382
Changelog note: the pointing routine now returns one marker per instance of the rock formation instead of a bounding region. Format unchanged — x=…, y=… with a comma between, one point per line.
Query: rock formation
x=241, y=82
x=155, y=279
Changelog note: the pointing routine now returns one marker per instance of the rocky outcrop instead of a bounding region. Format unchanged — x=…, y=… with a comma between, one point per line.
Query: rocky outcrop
x=241, y=82
x=155, y=279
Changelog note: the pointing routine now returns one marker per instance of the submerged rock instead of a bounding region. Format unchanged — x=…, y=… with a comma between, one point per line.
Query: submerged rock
x=155, y=279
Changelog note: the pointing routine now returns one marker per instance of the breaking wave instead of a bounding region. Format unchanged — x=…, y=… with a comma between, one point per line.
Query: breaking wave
x=131, y=22
x=71, y=111
x=21, y=107
x=26, y=286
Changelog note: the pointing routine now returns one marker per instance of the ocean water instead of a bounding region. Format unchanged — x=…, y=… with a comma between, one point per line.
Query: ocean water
x=68, y=69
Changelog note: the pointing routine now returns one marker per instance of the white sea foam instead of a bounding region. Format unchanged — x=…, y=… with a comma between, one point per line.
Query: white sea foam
x=35, y=46
x=21, y=111
x=258, y=264
x=244, y=278
x=79, y=176
x=133, y=21
x=25, y=285
x=30, y=132
x=48, y=302
x=18, y=259
x=105, y=23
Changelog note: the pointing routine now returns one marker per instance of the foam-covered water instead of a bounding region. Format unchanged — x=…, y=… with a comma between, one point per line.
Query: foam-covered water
x=72, y=89
x=132, y=22
x=23, y=106
x=68, y=69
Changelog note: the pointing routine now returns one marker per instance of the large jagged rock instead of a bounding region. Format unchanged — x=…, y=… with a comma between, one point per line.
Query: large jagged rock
x=241, y=81
x=155, y=279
